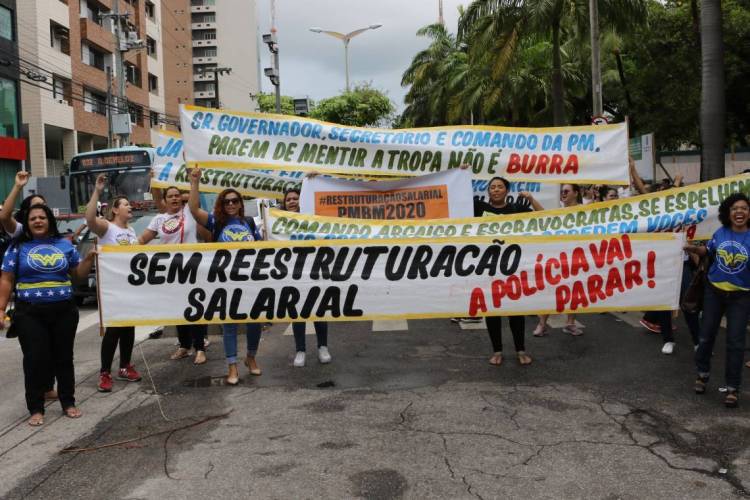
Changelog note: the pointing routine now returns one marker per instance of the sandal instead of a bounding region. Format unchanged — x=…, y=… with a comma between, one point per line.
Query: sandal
x=523, y=358
x=252, y=366
x=36, y=420
x=497, y=359
x=540, y=330
x=200, y=358
x=180, y=353
x=700, y=385
x=72, y=412
x=573, y=330
x=732, y=399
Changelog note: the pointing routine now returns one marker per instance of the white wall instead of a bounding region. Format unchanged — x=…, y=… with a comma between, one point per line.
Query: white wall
x=236, y=34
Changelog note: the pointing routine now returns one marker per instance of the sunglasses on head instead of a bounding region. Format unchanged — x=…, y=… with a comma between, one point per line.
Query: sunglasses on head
x=231, y=201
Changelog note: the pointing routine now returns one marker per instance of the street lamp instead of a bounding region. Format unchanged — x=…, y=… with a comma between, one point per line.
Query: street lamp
x=346, y=38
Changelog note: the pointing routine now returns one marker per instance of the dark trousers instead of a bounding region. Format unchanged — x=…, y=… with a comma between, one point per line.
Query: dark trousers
x=125, y=337
x=691, y=318
x=517, y=328
x=192, y=336
x=736, y=307
x=47, y=333
x=321, y=332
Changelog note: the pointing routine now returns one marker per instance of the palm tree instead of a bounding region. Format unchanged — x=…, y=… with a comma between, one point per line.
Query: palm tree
x=713, y=106
x=547, y=18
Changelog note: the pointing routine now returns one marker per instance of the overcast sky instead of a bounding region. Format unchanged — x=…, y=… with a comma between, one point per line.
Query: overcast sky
x=312, y=64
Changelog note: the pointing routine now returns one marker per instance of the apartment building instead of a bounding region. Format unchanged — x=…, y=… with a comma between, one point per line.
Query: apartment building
x=12, y=149
x=70, y=46
x=224, y=34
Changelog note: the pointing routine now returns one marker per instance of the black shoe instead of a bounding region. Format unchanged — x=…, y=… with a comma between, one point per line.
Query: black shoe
x=700, y=385
x=156, y=334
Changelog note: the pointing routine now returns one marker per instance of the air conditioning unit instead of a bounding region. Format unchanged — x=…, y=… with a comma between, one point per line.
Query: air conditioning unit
x=132, y=37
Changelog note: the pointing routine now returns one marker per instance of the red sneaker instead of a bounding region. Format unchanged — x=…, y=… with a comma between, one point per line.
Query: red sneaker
x=652, y=327
x=128, y=374
x=105, y=382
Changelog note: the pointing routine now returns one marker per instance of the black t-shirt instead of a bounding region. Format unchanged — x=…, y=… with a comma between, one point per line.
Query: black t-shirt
x=482, y=208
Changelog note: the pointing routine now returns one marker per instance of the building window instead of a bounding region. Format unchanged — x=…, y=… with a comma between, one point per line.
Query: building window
x=133, y=74
x=204, y=52
x=61, y=90
x=94, y=101
x=150, y=11
x=153, y=84
x=151, y=47
x=136, y=114
x=94, y=10
x=8, y=108
x=6, y=24
x=59, y=37
x=205, y=17
x=154, y=119
x=204, y=35
x=93, y=56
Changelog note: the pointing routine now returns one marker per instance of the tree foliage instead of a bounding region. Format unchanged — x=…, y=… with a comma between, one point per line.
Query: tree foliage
x=499, y=68
x=267, y=104
x=360, y=107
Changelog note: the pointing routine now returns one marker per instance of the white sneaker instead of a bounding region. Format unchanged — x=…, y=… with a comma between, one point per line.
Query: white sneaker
x=323, y=355
x=668, y=348
x=299, y=359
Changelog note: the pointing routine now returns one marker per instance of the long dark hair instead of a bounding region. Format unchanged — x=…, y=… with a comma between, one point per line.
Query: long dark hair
x=727, y=204
x=501, y=179
x=575, y=188
x=26, y=204
x=219, y=213
x=52, y=230
x=288, y=191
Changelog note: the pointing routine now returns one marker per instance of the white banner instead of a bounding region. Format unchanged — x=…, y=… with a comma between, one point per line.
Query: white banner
x=170, y=170
x=365, y=280
x=433, y=196
x=692, y=209
x=228, y=139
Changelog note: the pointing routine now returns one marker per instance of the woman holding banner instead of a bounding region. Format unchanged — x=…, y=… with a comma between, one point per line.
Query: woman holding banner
x=40, y=265
x=570, y=196
x=291, y=204
x=727, y=293
x=497, y=205
x=227, y=223
x=174, y=226
x=114, y=230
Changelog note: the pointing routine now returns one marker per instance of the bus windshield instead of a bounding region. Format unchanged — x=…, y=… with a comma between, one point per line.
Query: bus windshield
x=128, y=172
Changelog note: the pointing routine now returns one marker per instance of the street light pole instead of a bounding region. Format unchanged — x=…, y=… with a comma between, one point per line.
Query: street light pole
x=346, y=38
x=596, y=70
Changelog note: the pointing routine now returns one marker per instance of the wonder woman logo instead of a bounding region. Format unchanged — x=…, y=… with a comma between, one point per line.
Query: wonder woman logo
x=46, y=259
x=732, y=257
x=237, y=233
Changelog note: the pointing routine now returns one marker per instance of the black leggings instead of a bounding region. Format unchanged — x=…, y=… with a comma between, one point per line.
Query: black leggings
x=192, y=336
x=123, y=335
x=517, y=328
x=47, y=333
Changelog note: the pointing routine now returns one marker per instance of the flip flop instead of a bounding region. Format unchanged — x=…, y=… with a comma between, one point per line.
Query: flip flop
x=496, y=359
x=72, y=412
x=36, y=420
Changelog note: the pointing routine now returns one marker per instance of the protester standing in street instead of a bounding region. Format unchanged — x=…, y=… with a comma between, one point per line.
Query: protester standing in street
x=570, y=196
x=227, y=223
x=497, y=204
x=177, y=225
x=291, y=204
x=114, y=230
x=40, y=265
x=727, y=294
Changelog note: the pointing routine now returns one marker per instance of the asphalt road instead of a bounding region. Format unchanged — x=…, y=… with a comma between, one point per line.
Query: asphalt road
x=411, y=412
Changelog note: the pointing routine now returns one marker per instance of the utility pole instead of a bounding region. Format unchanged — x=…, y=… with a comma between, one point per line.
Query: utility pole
x=122, y=100
x=216, y=72
x=110, y=135
x=273, y=73
x=441, y=19
x=596, y=69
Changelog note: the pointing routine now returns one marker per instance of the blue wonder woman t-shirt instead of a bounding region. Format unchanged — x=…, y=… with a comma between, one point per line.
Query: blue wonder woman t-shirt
x=235, y=229
x=42, y=269
x=730, y=270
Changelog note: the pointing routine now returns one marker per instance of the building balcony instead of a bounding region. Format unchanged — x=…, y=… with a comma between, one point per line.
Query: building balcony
x=205, y=60
x=205, y=43
x=97, y=35
x=202, y=8
x=203, y=26
x=204, y=94
x=203, y=77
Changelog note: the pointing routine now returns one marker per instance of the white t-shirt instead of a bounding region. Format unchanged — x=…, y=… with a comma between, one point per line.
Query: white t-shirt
x=17, y=232
x=175, y=228
x=116, y=235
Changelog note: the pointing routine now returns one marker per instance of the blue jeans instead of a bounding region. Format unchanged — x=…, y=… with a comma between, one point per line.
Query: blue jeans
x=230, y=339
x=736, y=307
x=321, y=332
